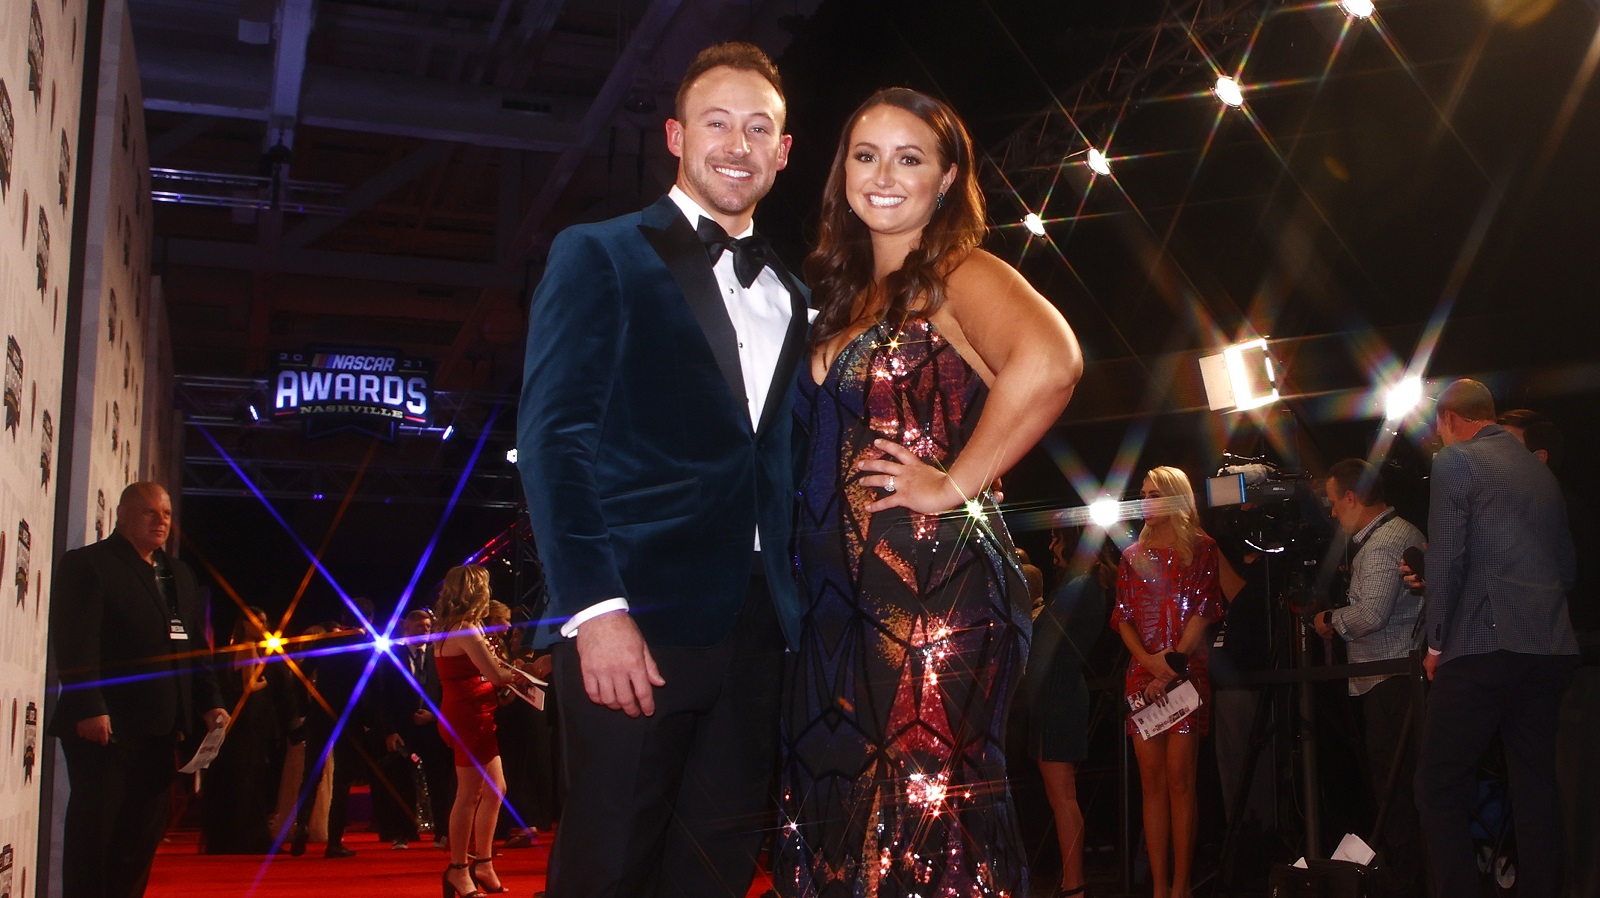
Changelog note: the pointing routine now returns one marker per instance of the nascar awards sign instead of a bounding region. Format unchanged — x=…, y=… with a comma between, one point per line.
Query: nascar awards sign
x=364, y=389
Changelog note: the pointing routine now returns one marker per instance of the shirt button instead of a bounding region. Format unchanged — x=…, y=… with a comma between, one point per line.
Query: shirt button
x=730, y=291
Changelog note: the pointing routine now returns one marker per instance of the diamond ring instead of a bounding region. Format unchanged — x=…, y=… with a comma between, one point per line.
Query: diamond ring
x=889, y=487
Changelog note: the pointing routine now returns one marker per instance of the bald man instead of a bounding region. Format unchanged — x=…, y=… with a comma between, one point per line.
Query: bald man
x=125, y=623
x=1501, y=649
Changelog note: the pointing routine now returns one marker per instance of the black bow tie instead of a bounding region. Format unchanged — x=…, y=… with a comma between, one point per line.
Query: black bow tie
x=749, y=253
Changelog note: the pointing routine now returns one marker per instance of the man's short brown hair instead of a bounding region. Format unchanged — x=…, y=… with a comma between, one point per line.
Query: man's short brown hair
x=1354, y=475
x=734, y=55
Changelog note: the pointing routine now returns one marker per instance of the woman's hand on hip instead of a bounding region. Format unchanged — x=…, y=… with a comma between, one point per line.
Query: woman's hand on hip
x=910, y=482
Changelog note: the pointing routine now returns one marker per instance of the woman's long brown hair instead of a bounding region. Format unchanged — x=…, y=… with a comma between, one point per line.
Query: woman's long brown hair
x=840, y=269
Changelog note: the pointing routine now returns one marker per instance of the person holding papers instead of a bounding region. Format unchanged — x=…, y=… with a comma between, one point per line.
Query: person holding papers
x=1167, y=592
x=469, y=676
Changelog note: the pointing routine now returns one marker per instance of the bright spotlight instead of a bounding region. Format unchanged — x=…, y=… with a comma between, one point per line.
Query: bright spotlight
x=449, y=431
x=1228, y=91
x=1098, y=163
x=1103, y=512
x=1357, y=9
x=273, y=643
x=1402, y=398
x=1034, y=224
x=1239, y=378
x=382, y=643
x=511, y=455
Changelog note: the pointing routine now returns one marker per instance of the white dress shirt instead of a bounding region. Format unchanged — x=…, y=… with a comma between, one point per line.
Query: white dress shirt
x=760, y=314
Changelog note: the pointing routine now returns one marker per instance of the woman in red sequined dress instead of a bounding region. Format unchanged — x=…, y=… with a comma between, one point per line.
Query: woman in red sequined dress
x=934, y=367
x=1167, y=591
x=469, y=676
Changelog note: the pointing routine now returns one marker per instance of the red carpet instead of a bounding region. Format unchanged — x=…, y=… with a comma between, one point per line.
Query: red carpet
x=377, y=871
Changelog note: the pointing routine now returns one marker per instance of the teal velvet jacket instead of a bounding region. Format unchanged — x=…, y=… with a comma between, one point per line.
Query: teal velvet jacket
x=644, y=478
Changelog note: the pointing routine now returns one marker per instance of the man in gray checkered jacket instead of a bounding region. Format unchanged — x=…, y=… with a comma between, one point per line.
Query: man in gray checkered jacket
x=1379, y=622
x=1501, y=649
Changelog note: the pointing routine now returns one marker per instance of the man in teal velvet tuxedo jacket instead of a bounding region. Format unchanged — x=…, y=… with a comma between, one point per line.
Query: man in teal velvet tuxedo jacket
x=654, y=446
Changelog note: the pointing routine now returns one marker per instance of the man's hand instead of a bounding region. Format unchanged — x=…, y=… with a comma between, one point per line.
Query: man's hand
x=216, y=717
x=1324, y=624
x=1430, y=663
x=394, y=743
x=421, y=717
x=96, y=729
x=618, y=669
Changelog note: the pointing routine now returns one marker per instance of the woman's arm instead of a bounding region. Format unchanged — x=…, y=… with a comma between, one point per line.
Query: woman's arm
x=1023, y=349
x=1194, y=633
x=472, y=644
x=1156, y=664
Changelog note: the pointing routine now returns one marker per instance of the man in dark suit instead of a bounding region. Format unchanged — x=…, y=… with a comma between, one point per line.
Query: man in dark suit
x=409, y=728
x=654, y=445
x=1501, y=649
x=335, y=664
x=125, y=623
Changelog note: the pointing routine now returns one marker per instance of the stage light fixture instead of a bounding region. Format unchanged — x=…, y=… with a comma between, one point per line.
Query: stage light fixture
x=511, y=455
x=1098, y=163
x=1229, y=91
x=1104, y=512
x=382, y=643
x=1240, y=377
x=1034, y=224
x=273, y=643
x=449, y=431
x=1401, y=398
x=1357, y=9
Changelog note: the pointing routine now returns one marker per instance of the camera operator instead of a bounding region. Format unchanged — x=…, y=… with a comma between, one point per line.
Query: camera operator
x=1378, y=623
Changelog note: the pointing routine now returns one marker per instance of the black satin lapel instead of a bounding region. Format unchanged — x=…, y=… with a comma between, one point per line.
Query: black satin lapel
x=794, y=344
x=686, y=259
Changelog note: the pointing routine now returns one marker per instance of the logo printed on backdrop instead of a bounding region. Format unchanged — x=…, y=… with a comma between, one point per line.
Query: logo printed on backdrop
x=47, y=448
x=30, y=741
x=364, y=389
x=24, y=549
x=13, y=395
x=8, y=138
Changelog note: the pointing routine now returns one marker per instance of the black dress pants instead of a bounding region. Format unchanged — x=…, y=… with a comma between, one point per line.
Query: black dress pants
x=1384, y=709
x=678, y=803
x=1473, y=697
x=116, y=814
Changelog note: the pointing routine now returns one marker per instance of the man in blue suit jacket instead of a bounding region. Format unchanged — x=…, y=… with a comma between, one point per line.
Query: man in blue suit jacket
x=1501, y=649
x=654, y=445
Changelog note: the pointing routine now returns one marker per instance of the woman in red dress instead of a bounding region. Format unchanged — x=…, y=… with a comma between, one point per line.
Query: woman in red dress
x=469, y=677
x=1167, y=590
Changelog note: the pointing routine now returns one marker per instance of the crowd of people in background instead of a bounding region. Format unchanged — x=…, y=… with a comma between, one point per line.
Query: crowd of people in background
x=856, y=641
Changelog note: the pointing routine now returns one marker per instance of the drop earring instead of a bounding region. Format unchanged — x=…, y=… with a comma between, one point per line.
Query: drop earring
x=938, y=201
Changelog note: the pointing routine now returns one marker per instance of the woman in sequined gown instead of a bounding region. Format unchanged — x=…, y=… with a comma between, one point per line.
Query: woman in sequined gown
x=934, y=368
x=1167, y=592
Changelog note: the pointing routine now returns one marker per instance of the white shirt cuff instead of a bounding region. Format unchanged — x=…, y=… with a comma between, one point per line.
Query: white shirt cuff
x=1434, y=651
x=570, y=628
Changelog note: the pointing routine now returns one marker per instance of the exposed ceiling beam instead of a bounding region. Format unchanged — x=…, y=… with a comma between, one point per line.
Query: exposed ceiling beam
x=374, y=189
x=324, y=263
x=295, y=20
x=180, y=134
x=646, y=36
x=199, y=82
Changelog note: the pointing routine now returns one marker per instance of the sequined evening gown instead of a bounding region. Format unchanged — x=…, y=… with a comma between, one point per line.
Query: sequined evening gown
x=915, y=634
